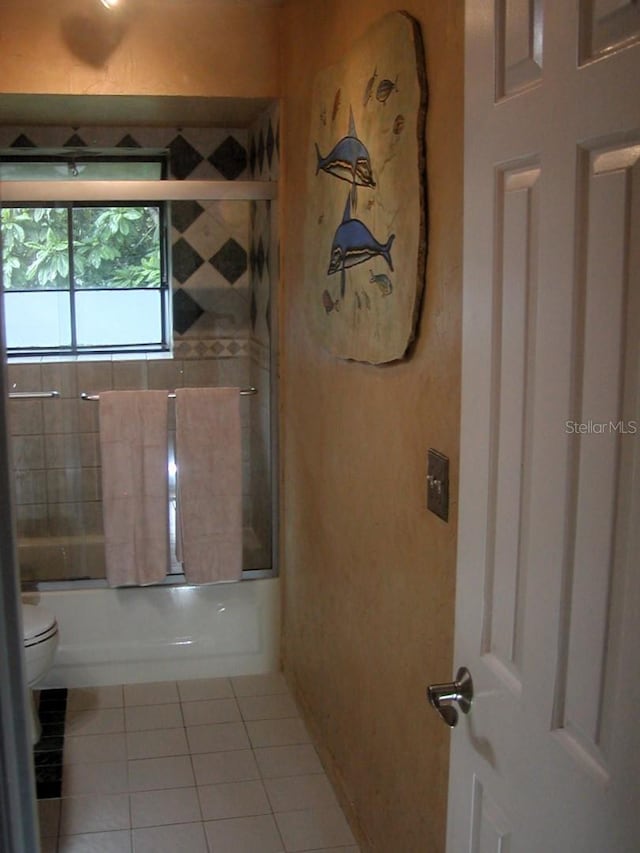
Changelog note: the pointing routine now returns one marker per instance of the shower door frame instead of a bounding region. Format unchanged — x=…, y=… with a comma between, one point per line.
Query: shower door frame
x=18, y=821
x=170, y=190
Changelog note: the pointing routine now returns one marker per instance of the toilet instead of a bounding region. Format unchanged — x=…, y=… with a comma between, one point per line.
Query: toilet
x=40, y=644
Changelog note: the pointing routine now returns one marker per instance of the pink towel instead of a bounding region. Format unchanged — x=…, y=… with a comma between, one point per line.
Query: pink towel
x=209, y=484
x=133, y=446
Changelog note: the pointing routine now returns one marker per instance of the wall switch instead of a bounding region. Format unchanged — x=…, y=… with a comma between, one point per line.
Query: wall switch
x=438, y=484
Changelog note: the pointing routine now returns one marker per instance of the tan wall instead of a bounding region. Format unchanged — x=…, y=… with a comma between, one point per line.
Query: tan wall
x=157, y=47
x=368, y=572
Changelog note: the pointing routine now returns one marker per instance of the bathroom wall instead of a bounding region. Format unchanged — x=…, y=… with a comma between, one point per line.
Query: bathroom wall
x=368, y=573
x=151, y=47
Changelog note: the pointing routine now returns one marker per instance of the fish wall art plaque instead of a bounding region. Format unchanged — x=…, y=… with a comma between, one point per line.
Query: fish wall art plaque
x=366, y=212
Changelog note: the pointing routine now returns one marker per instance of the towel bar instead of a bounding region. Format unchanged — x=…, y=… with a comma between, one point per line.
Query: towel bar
x=244, y=392
x=32, y=395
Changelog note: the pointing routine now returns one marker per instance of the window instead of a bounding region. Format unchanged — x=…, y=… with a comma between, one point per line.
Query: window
x=84, y=277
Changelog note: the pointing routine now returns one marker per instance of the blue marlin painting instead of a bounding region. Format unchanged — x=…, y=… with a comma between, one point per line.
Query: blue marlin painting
x=348, y=161
x=354, y=244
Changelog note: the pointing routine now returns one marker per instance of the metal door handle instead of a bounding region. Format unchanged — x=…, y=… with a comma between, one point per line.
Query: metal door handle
x=460, y=691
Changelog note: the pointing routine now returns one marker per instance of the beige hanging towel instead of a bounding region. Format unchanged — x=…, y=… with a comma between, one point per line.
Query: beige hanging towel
x=209, y=484
x=133, y=447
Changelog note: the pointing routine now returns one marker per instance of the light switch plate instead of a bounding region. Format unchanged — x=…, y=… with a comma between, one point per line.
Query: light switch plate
x=438, y=484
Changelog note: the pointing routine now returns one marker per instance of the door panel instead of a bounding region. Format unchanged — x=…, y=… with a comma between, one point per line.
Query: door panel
x=548, y=582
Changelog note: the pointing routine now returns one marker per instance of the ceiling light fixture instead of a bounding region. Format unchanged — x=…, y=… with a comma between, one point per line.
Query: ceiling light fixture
x=109, y=4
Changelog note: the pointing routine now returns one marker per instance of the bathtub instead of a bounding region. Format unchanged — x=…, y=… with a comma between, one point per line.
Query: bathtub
x=163, y=633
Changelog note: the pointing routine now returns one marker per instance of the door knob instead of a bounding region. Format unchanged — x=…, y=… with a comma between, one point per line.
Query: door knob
x=441, y=696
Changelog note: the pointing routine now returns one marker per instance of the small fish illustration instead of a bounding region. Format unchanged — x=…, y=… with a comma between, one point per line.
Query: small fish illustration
x=354, y=244
x=336, y=104
x=383, y=281
x=323, y=116
x=368, y=89
x=328, y=303
x=385, y=88
x=398, y=124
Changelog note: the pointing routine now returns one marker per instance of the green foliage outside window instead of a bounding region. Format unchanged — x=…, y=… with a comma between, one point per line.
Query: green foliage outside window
x=112, y=247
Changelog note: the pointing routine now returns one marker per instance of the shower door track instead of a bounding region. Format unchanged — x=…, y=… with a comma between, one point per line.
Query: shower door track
x=32, y=191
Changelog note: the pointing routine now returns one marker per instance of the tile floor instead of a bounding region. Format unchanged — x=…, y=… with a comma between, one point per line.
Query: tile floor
x=208, y=766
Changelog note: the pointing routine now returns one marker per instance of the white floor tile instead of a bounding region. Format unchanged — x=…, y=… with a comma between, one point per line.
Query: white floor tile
x=217, y=738
x=313, y=829
x=95, y=721
x=244, y=835
x=205, y=688
x=92, y=748
x=233, y=799
x=135, y=754
x=180, y=838
x=259, y=685
x=153, y=693
x=156, y=744
x=157, y=808
x=152, y=774
x=300, y=792
x=277, y=732
x=297, y=760
x=96, y=842
x=210, y=711
x=82, y=698
x=140, y=718
x=107, y=777
x=212, y=768
x=96, y=813
x=276, y=706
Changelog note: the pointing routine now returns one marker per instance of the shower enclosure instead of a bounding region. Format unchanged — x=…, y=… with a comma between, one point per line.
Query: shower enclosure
x=222, y=262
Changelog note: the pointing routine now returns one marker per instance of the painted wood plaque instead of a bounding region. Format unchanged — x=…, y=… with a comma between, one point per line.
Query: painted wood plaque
x=365, y=231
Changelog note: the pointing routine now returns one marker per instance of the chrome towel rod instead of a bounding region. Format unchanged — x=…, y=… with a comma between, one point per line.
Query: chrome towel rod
x=244, y=392
x=32, y=395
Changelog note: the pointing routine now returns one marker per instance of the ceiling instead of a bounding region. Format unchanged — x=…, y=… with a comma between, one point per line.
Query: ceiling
x=127, y=110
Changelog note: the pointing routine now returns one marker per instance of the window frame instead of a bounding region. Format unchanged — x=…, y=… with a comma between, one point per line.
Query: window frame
x=163, y=345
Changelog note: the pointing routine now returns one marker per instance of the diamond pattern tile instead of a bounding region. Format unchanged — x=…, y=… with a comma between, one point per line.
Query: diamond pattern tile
x=128, y=141
x=260, y=258
x=185, y=260
x=230, y=261
x=184, y=157
x=253, y=311
x=23, y=141
x=260, y=153
x=270, y=144
x=185, y=311
x=229, y=158
x=252, y=156
x=75, y=141
x=185, y=213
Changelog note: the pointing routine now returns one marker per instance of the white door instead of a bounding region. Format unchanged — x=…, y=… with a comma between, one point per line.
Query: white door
x=548, y=588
